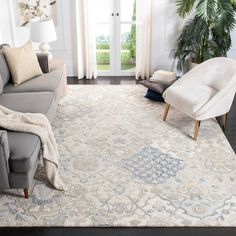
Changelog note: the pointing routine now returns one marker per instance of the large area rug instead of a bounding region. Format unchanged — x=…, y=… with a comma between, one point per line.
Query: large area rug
x=123, y=166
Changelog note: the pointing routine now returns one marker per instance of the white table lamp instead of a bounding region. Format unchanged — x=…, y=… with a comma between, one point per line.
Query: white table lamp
x=43, y=32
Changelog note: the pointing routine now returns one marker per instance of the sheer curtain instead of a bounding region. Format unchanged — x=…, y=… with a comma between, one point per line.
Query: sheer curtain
x=143, y=38
x=86, y=39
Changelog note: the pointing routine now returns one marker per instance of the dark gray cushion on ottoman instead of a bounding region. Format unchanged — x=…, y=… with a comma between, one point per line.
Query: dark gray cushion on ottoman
x=156, y=87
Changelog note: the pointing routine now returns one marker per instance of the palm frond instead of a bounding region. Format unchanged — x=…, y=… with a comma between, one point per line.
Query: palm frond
x=185, y=7
x=207, y=34
x=191, y=39
x=207, y=9
x=233, y=3
x=225, y=17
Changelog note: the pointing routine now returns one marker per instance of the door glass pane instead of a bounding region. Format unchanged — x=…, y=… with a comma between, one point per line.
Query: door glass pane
x=103, y=34
x=103, y=10
x=108, y=39
x=128, y=47
x=128, y=10
x=103, y=47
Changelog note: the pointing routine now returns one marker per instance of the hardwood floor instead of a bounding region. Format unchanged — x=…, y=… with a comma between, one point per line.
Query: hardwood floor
x=230, y=131
x=183, y=231
x=112, y=80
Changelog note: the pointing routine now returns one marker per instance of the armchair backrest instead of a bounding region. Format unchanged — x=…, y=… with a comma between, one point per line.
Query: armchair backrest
x=216, y=73
x=219, y=72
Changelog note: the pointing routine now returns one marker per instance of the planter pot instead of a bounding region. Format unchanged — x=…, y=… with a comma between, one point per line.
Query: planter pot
x=188, y=65
x=192, y=65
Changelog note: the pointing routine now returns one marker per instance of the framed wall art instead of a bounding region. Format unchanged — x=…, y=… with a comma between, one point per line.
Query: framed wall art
x=36, y=10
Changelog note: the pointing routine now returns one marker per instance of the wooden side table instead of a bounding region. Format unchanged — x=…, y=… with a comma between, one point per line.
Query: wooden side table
x=57, y=64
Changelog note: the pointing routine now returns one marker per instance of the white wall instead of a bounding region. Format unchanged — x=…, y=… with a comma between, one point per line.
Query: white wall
x=5, y=26
x=166, y=28
x=232, y=52
x=13, y=34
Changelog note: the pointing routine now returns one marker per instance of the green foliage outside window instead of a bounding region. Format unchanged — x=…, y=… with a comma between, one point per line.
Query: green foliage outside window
x=132, y=43
x=103, y=57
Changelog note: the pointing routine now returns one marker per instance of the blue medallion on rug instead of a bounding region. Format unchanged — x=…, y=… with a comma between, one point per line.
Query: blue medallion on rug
x=152, y=165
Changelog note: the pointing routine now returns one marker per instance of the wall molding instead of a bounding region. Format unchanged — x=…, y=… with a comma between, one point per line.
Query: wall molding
x=12, y=19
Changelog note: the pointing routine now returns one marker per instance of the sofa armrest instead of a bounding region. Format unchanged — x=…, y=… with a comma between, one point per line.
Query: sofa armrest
x=4, y=160
x=43, y=62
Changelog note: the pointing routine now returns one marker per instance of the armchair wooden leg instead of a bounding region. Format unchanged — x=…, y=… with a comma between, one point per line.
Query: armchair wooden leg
x=196, y=130
x=167, y=108
x=224, y=121
x=26, y=193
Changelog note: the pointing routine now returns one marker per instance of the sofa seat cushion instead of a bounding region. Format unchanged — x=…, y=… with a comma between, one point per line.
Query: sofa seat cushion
x=24, y=151
x=29, y=102
x=189, y=98
x=46, y=82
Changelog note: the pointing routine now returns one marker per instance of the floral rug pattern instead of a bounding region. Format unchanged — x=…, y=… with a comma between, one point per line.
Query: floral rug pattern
x=124, y=166
x=152, y=166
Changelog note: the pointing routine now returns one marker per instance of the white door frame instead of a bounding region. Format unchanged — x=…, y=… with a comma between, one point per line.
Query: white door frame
x=115, y=43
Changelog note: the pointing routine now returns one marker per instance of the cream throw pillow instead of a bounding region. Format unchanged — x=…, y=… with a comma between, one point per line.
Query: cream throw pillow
x=22, y=62
x=164, y=77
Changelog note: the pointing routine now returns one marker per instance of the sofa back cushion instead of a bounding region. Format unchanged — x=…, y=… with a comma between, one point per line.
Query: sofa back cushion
x=22, y=62
x=4, y=70
x=1, y=85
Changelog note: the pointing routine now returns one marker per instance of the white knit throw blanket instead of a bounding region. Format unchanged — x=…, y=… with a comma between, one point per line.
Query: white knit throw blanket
x=39, y=125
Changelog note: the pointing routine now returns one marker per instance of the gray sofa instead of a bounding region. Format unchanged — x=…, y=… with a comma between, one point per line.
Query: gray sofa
x=20, y=152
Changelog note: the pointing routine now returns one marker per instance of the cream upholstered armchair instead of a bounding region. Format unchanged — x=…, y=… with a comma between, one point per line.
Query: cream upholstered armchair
x=207, y=91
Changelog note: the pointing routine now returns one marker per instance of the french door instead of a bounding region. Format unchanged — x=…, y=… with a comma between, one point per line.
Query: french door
x=116, y=37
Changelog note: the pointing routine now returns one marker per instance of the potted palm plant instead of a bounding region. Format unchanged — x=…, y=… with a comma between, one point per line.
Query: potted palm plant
x=207, y=33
